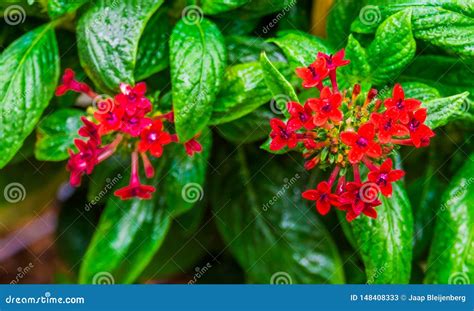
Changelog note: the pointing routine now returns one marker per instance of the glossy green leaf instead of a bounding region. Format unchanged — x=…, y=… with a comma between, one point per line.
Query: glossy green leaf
x=30, y=70
x=385, y=243
x=267, y=226
x=451, y=258
x=444, y=23
x=282, y=90
x=242, y=91
x=420, y=91
x=259, y=8
x=56, y=134
x=212, y=7
x=107, y=37
x=184, y=176
x=57, y=8
x=197, y=65
x=250, y=128
x=245, y=49
x=392, y=49
x=153, y=48
x=340, y=17
x=449, y=75
x=358, y=70
x=443, y=110
x=128, y=234
x=299, y=47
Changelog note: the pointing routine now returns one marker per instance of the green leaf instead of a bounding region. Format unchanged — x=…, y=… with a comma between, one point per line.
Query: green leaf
x=197, y=65
x=443, y=23
x=268, y=227
x=153, y=49
x=358, y=70
x=184, y=180
x=340, y=17
x=57, y=8
x=447, y=74
x=128, y=234
x=385, y=243
x=299, y=47
x=56, y=134
x=443, y=110
x=250, y=128
x=420, y=91
x=245, y=49
x=259, y=8
x=30, y=70
x=212, y=7
x=107, y=37
x=451, y=258
x=392, y=49
x=282, y=90
x=243, y=90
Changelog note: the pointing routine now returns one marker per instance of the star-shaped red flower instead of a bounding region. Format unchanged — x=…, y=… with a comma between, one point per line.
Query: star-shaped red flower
x=326, y=107
x=153, y=139
x=314, y=73
x=353, y=201
x=301, y=116
x=323, y=197
x=420, y=133
x=361, y=143
x=387, y=125
x=282, y=135
x=384, y=176
x=401, y=105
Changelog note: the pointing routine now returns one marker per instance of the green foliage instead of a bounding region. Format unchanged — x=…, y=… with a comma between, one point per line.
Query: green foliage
x=30, y=70
x=56, y=134
x=197, y=61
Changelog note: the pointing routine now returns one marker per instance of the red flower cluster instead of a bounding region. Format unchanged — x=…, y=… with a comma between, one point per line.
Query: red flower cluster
x=343, y=132
x=125, y=121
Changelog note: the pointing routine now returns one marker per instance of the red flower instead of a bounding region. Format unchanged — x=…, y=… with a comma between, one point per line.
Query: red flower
x=192, y=146
x=91, y=130
x=420, y=133
x=361, y=143
x=154, y=138
x=109, y=120
x=359, y=198
x=334, y=61
x=314, y=73
x=326, y=107
x=323, y=197
x=301, y=116
x=282, y=135
x=384, y=176
x=135, y=188
x=71, y=84
x=401, y=105
x=387, y=125
x=82, y=162
x=135, y=124
x=133, y=98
